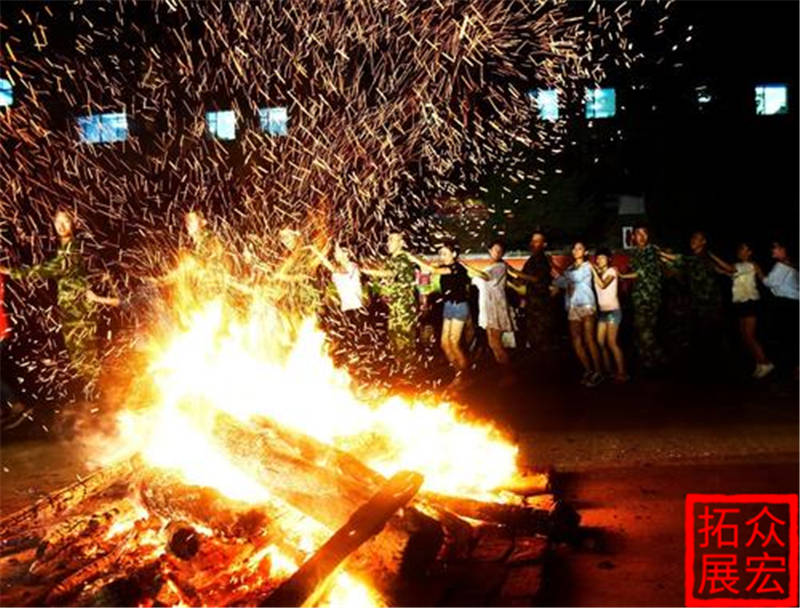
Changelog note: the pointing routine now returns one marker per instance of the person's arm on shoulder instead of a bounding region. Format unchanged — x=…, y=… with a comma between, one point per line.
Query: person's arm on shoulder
x=429, y=268
x=474, y=272
x=381, y=273
x=604, y=282
x=521, y=275
x=104, y=300
x=721, y=265
x=670, y=258
x=49, y=269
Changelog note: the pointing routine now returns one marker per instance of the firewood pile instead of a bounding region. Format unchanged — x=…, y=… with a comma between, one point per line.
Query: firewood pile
x=136, y=535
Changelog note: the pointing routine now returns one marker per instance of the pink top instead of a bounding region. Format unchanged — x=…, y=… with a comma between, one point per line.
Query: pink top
x=607, y=298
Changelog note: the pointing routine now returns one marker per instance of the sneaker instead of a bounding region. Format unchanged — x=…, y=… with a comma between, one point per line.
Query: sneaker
x=595, y=379
x=587, y=375
x=763, y=370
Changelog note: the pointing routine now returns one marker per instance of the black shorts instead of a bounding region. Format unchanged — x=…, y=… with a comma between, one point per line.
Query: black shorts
x=749, y=308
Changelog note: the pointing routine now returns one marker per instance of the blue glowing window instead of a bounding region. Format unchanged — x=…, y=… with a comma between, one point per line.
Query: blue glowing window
x=274, y=121
x=601, y=103
x=103, y=128
x=771, y=99
x=6, y=93
x=222, y=124
x=547, y=102
x=703, y=94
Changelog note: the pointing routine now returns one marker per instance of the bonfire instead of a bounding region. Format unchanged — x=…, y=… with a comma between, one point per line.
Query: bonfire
x=246, y=470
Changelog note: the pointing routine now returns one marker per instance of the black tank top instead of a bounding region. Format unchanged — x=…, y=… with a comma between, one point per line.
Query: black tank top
x=455, y=285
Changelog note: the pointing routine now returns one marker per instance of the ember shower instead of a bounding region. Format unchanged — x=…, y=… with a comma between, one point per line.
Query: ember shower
x=390, y=106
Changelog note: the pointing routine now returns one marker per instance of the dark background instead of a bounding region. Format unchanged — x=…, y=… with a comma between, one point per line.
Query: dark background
x=721, y=168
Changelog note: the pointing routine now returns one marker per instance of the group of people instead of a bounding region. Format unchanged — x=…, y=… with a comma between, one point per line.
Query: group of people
x=592, y=302
x=590, y=289
x=594, y=310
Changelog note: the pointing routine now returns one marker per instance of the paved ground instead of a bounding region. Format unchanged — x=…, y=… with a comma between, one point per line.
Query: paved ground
x=625, y=455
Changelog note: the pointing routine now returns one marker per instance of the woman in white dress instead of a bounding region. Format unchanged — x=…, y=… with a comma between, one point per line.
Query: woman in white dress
x=495, y=313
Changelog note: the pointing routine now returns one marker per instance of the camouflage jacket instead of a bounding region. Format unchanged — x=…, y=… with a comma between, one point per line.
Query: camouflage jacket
x=647, y=286
x=702, y=280
x=538, y=266
x=67, y=269
x=400, y=286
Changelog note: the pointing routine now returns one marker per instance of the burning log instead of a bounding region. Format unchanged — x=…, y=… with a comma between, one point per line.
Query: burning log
x=166, y=494
x=73, y=583
x=21, y=542
x=62, y=501
x=516, y=516
x=329, y=486
x=305, y=481
x=530, y=483
x=183, y=543
x=62, y=536
x=366, y=522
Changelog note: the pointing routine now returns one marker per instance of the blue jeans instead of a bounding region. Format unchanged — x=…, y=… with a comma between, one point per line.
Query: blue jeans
x=456, y=310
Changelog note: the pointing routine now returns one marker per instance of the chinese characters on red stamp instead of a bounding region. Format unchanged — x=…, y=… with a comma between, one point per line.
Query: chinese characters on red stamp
x=741, y=549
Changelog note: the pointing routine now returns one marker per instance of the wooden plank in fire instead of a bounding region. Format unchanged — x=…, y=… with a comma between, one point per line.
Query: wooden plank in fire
x=365, y=523
x=62, y=501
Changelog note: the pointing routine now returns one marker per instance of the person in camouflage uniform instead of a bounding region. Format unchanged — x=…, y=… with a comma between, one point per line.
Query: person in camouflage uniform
x=210, y=255
x=701, y=276
x=646, y=297
x=298, y=273
x=399, y=274
x=76, y=302
x=700, y=273
x=538, y=301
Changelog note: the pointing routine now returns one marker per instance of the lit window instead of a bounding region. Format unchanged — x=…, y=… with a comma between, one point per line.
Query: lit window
x=600, y=103
x=771, y=99
x=274, y=120
x=222, y=124
x=103, y=128
x=703, y=95
x=6, y=93
x=547, y=102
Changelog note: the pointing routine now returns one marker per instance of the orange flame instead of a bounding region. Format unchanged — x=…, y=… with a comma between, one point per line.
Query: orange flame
x=257, y=363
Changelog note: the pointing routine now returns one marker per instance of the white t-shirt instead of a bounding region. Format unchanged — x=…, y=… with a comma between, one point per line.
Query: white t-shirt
x=744, y=282
x=348, y=284
x=607, y=298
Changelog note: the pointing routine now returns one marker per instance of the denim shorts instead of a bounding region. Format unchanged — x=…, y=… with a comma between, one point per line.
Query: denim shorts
x=578, y=313
x=612, y=317
x=456, y=310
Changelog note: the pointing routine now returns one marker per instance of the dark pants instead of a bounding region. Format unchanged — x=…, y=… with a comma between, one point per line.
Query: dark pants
x=782, y=331
x=540, y=325
x=645, y=321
